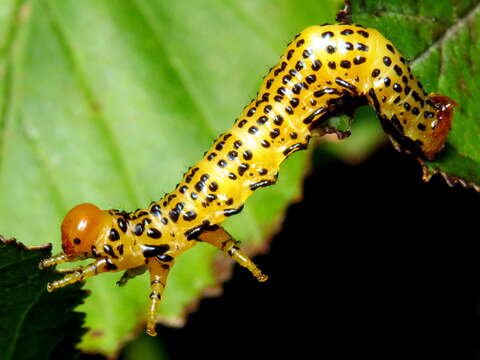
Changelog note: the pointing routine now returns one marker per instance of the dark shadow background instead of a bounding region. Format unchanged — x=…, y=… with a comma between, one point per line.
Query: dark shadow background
x=373, y=262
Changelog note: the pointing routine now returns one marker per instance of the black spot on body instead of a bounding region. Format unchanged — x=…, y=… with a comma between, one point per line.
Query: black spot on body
x=348, y=46
x=242, y=123
x=274, y=133
x=231, y=212
x=307, y=53
x=361, y=47
x=138, y=229
x=189, y=215
x=242, y=168
x=397, y=87
x=262, y=120
x=247, y=155
x=213, y=186
x=232, y=154
x=260, y=184
x=357, y=60
x=154, y=210
x=310, y=78
x=165, y=258
x=210, y=157
x=345, y=84
x=110, y=265
x=363, y=33
x=330, y=49
x=316, y=65
x=109, y=251
x=154, y=233
x=120, y=249
x=390, y=48
x=154, y=250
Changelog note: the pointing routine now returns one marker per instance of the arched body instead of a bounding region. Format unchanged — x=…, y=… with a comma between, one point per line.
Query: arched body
x=325, y=69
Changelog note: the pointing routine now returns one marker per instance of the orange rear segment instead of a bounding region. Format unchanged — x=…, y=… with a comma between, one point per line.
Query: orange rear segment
x=81, y=228
x=441, y=126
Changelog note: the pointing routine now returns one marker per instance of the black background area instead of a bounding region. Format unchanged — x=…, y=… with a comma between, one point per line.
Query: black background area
x=373, y=262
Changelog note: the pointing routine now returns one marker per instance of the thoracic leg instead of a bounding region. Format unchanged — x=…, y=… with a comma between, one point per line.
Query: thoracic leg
x=130, y=274
x=224, y=241
x=80, y=274
x=55, y=260
x=158, y=279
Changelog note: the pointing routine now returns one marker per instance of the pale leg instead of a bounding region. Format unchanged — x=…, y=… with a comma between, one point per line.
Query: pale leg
x=158, y=279
x=97, y=267
x=224, y=241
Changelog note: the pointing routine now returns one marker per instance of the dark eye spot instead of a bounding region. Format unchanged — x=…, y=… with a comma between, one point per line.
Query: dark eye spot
x=77, y=241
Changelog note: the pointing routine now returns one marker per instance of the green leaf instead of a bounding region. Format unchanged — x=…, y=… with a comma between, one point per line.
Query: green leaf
x=35, y=324
x=111, y=101
x=441, y=40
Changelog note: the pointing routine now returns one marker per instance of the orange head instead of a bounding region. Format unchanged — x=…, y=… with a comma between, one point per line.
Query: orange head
x=81, y=228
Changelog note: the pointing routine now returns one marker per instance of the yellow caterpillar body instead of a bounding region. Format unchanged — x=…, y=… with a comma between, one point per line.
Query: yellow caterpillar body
x=324, y=69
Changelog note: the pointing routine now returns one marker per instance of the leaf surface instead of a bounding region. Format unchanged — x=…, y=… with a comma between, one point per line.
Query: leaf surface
x=35, y=324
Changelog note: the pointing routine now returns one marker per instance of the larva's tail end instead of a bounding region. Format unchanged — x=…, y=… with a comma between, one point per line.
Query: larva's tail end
x=441, y=125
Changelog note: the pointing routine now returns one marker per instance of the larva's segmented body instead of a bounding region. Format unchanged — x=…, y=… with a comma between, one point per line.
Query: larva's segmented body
x=323, y=70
